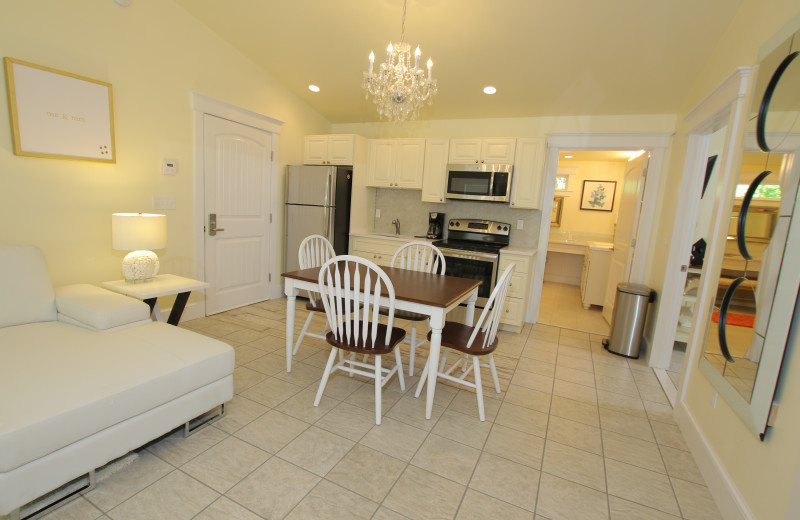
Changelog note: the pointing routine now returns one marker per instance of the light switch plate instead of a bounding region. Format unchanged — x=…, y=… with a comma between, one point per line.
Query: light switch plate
x=169, y=167
x=163, y=202
x=377, y=213
x=520, y=223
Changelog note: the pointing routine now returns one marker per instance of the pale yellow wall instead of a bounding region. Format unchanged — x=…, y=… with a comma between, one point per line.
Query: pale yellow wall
x=573, y=218
x=763, y=472
x=154, y=54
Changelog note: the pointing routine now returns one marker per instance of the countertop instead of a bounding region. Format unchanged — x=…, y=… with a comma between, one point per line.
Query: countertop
x=409, y=238
x=403, y=238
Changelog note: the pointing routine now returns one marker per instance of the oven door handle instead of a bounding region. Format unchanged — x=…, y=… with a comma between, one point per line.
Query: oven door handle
x=469, y=255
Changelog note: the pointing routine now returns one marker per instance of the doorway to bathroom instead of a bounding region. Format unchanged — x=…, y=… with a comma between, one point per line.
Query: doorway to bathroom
x=589, y=250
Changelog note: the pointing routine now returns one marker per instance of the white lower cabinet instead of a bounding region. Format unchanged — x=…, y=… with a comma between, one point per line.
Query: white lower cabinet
x=378, y=250
x=594, y=276
x=519, y=291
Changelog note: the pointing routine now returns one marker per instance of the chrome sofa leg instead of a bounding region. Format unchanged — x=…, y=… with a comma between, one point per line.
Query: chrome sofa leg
x=198, y=423
x=52, y=506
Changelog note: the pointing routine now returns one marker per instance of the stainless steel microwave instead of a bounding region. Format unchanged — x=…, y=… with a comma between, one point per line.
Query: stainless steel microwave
x=487, y=182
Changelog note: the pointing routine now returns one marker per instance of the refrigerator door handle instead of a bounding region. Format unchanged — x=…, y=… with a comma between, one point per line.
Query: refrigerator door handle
x=330, y=187
x=327, y=217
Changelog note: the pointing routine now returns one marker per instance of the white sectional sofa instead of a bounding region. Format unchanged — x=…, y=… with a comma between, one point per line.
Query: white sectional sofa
x=86, y=377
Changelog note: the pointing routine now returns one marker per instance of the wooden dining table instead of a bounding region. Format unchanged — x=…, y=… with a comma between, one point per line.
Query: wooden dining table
x=433, y=295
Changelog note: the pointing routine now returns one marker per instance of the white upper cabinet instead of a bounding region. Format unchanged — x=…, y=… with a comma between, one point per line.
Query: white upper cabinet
x=329, y=149
x=396, y=163
x=492, y=150
x=527, y=182
x=435, y=171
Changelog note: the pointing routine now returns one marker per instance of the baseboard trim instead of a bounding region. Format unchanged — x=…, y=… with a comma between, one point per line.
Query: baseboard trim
x=667, y=385
x=730, y=502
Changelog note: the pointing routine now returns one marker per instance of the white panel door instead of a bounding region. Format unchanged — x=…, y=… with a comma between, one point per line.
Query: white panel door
x=236, y=173
x=630, y=205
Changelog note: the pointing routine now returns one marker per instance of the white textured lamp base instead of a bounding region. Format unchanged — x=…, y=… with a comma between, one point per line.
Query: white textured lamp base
x=139, y=266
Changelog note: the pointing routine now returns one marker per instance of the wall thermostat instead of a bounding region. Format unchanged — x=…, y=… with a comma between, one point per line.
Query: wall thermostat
x=169, y=167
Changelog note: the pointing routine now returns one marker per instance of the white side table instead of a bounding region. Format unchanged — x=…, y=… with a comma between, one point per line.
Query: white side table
x=161, y=285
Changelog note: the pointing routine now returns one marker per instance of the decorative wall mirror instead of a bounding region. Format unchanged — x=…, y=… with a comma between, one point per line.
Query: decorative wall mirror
x=752, y=310
x=555, y=218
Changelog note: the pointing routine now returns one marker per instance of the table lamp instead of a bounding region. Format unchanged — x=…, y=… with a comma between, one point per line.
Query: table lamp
x=139, y=233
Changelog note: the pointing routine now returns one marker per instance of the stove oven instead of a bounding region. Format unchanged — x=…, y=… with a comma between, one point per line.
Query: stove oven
x=472, y=250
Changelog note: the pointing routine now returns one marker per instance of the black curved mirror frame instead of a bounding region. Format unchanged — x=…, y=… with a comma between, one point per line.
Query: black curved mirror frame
x=769, y=96
x=741, y=221
x=758, y=283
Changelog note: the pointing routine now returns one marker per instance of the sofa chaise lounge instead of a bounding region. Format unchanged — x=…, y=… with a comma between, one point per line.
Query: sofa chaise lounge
x=86, y=377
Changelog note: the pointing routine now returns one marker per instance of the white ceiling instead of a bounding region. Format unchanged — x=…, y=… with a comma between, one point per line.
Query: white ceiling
x=546, y=57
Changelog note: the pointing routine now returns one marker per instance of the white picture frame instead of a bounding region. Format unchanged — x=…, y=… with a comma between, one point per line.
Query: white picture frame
x=59, y=115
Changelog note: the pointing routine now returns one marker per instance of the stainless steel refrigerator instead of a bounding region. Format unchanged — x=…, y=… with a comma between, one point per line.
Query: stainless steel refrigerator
x=317, y=203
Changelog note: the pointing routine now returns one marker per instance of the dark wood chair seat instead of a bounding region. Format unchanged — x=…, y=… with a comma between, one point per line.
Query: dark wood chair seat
x=456, y=336
x=368, y=348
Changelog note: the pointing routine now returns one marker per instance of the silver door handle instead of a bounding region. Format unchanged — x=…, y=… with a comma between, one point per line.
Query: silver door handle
x=212, y=225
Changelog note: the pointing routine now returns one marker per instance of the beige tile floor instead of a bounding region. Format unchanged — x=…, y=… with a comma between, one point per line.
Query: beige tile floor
x=576, y=433
x=561, y=306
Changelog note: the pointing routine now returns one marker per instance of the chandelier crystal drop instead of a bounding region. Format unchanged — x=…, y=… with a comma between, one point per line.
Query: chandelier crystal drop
x=400, y=87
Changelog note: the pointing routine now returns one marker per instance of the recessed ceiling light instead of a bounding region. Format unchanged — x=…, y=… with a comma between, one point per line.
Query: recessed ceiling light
x=489, y=90
x=567, y=157
x=313, y=88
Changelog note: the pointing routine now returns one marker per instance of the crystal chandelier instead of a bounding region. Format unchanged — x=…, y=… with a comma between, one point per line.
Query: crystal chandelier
x=397, y=88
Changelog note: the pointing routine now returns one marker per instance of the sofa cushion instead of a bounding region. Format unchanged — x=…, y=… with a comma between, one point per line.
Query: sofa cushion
x=100, y=309
x=25, y=285
x=62, y=383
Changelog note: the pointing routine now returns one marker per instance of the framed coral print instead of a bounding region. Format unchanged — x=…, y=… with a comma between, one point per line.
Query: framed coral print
x=598, y=195
x=59, y=115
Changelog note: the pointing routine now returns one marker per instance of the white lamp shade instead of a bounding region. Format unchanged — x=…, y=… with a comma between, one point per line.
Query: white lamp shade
x=138, y=231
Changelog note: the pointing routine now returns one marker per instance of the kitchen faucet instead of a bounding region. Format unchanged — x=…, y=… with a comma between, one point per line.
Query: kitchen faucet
x=396, y=223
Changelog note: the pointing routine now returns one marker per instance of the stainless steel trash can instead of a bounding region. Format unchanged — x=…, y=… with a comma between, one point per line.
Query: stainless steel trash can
x=628, y=318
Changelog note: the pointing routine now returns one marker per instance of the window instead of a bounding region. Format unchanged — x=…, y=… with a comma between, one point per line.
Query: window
x=764, y=191
x=565, y=180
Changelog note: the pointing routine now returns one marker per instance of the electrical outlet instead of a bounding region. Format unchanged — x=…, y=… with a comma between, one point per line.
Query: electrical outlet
x=520, y=224
x=377, y=213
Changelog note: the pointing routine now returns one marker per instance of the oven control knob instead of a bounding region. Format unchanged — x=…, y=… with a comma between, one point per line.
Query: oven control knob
x=505, y=228
x=458, y=224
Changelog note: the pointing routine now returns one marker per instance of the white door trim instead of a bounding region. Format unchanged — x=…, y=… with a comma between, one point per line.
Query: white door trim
x=717, y=110
x=202, y=105
x=655, y=142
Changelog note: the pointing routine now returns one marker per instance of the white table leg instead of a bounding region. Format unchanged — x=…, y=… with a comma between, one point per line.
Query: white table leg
x=470, y=317
x=437, y=323
x=291, y=295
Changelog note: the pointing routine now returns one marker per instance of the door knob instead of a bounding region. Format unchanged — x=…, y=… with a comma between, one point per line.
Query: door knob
x=212, y=225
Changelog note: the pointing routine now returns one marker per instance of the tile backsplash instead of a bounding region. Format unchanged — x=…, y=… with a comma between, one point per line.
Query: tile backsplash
x=413, y=214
